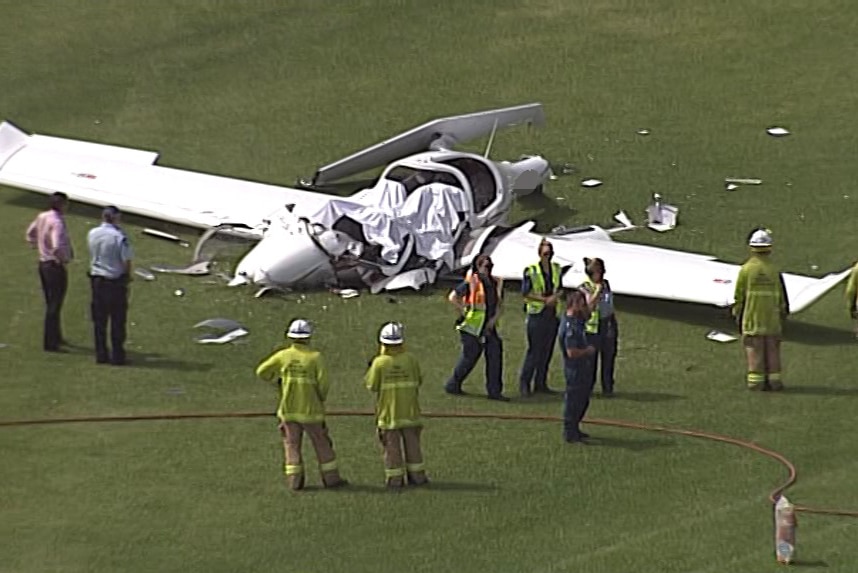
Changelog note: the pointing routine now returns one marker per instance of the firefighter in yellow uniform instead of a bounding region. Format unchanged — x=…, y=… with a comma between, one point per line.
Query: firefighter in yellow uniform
x=394, y=377
x=304, y=386
x=760, y=307
x=852, y=295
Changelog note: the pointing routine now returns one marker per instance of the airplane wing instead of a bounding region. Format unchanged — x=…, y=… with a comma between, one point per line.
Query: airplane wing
x=437, y=134
x=640, y=270
x=103, y=175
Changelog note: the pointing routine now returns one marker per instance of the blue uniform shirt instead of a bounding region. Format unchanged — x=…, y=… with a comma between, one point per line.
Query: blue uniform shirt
x=570, y=334
x=109, y=250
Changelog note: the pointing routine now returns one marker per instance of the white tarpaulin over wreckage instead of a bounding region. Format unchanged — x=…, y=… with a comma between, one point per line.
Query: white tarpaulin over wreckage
x=431, y=215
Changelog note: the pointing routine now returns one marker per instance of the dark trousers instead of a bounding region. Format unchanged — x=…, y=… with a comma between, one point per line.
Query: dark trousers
x=541, y=333
x=605, y=343
x=54, y=285
x=576, y=400
x=472, y=348
x=109, y=305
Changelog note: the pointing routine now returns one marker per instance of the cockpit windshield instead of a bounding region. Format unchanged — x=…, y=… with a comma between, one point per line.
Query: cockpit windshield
x=412, y=179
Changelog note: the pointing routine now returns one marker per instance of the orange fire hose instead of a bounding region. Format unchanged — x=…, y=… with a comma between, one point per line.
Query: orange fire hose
x=790, y=467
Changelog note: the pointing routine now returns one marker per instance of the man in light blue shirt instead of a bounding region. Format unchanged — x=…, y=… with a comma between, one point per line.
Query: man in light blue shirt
x=110, y=272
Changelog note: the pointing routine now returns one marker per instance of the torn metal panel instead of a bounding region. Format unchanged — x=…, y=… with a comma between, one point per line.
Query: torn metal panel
x=414, y=279
x=196, y=269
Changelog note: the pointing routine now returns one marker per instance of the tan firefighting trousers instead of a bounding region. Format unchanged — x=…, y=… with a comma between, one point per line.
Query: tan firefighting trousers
x=393, y=443
x=293, y=435
x=764, y=362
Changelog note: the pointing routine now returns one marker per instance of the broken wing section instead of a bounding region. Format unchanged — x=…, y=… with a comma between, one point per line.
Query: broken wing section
x=640, y=270
x=101, y=175
x=441, y=133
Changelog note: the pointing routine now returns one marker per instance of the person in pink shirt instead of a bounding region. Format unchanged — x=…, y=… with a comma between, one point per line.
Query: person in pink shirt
x=49, y=235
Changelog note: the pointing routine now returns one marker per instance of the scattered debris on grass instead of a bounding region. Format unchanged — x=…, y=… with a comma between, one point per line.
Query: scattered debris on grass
x=590, y=183
x=777, y=131
x=226, y=330
x=719, y=336
x=166, y=236
x=643, y=132
x=195, y=269
x=345, y=292
x=144, y=274
x=661, y=217
x=742, y=181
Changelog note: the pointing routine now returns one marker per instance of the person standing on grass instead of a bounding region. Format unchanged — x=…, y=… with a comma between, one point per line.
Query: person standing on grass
x=303, y=380
x=541, y=290
x=479, y=301
x=602, y=331
x=48, y=234
x=109, y=274
x=394, y=377
x=760, y=306
x=577, y=353
x=852, y=296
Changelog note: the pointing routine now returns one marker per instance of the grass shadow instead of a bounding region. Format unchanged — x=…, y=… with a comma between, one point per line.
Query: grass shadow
x=816, y=564
x=644, y=396
x=547, y=212
x=820, y=391
x=709, y=318
x=381, y=489
x=158, y=361
x=631, y=445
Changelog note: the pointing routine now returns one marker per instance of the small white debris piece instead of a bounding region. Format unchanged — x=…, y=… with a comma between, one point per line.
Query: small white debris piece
x=623, y=219
x=179, y=292
x=348, y=293
x=732, y=186
x=97, y=122
x=814, y=267
x=230, y=330
x=143, y=273
x=591, y=183
x=221, y=338
x=3, y=345
x=560, y=198
x=719, y=336
x=740, y=181
x=199, y=268
x=553, y=177
x=777, y=131
x=167, y=236
x=643, y=132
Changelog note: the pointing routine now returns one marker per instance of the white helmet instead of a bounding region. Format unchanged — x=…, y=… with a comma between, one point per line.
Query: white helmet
x=299, y=328
x=760, y=239
x=391, y=333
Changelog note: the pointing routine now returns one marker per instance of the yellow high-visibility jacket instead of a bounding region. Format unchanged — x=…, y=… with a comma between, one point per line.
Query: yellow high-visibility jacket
x=760, y=298
x=394, y=376
x=303, y=383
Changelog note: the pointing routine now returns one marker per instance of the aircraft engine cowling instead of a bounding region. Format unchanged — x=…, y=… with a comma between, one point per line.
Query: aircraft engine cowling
x=293, y=256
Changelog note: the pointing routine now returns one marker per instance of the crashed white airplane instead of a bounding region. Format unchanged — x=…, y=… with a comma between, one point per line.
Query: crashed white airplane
x=432, y=210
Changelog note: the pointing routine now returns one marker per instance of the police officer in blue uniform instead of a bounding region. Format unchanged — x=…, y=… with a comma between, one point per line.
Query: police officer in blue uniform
x=109, y=273
x=577, y=354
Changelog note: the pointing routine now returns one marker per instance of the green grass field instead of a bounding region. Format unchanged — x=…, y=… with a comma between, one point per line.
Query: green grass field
x=271, y=90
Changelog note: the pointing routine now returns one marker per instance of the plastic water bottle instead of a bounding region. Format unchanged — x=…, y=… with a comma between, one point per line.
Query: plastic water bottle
x=785, y=524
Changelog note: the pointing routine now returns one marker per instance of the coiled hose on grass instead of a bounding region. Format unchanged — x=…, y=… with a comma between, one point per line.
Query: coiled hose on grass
x=790, y=467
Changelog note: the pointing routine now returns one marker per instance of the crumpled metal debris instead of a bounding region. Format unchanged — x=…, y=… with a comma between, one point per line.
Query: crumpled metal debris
x=226, y=329
x=195, y=269
x=661, y=217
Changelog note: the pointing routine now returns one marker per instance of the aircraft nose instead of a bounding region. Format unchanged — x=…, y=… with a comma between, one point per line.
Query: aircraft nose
x=285, y=259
